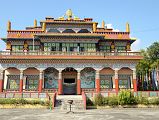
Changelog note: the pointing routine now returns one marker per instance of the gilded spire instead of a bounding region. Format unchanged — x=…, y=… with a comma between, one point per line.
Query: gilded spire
x=44, y=26
x=69, y=14
x=35, y=23
x=9, y=26
x=103, y=24
x=94, y=27
x=127, y=27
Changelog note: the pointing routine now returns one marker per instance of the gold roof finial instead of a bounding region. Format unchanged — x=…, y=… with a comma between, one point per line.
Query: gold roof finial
x=103, y=24
x=9, y=26
x=35, y=23
x=94, y=26
x=43, y=26
x=127, y=27
x=69, y=14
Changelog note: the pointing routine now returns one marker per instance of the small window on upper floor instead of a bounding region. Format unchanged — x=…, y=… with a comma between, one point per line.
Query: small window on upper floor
x=83, y=31
x=68, y=31
x=53, y=31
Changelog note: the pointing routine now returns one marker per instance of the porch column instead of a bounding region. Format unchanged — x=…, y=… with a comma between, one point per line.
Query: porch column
x=60, y=86
x=1, y=81
x=116, y=80
x=21, y=81
x=97, y=81
x=40, y=81
x=134, y=80
x=78, y=82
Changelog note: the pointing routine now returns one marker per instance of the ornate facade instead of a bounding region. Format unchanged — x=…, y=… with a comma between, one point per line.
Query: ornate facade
x=68, y=55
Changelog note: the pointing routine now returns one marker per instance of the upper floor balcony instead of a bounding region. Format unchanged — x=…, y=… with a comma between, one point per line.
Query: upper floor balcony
x=68, y=55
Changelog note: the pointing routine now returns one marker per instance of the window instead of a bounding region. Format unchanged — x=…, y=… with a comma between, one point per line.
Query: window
x=51, y=46
x=17, y=47
x=36, y=47
x=106, y=81
x=13, y=82
x=120, y=48
x=32, y=82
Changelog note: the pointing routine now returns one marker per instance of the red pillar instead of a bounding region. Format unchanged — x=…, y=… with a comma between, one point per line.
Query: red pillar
x=116, y=81
x=97, y=81
x=116, y=85
x=78, y=83
x=40, y=81
x=135, y=85
x=1, y=86
x=21, y=86
x=60, y=85
x=134, y=80
x=40, y=85
x=1, y=81
x=21, y=82
x=98, y=85
x=78, y=87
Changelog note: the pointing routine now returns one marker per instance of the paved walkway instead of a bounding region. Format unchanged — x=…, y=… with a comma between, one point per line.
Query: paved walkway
x=106, y=114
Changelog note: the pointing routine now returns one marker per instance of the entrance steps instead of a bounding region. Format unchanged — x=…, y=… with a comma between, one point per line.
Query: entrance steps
x=62, y=102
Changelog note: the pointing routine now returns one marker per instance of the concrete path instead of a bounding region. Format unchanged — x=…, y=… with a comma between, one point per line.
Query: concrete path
x=106, y=114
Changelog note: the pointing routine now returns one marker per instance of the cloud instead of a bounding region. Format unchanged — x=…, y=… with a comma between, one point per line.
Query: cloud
x=136, y=46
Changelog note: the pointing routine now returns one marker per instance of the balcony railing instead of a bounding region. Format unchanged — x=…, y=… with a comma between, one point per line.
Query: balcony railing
x=60, y=53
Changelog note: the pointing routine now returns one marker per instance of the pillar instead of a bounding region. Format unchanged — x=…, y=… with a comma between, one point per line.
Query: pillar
x=116, y=80
x=60, y=85
x=21, y=81
x=134, y=81
x=97, y=81
x=1, y=81
x=78, y=83
x=40, y=81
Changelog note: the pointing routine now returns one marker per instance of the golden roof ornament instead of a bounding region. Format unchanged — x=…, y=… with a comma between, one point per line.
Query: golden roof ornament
x=35, y=23
x=103, y=24
x=44, y=26
x=127, y=27
x=9, y=26
x=69, y=14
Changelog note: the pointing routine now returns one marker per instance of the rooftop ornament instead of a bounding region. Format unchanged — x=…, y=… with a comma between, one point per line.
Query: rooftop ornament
x=69, y=15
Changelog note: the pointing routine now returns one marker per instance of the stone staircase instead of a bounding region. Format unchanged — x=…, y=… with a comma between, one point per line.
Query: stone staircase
x=62, y=102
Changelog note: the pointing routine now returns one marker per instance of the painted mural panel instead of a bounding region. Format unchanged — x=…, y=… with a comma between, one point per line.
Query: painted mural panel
x=88, y=78
x=51, y=78
x=13, y=82
x=106, y=81
x=124, y=81
x=32, y=82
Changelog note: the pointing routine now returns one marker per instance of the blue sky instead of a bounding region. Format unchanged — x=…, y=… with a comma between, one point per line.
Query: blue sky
x=143, y=15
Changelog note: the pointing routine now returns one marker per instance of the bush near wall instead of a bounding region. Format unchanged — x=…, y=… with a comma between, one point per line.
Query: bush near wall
x=124, y=97
x=22, y=101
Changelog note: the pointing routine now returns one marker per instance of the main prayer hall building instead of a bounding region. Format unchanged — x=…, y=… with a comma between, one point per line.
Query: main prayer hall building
x=68, y=55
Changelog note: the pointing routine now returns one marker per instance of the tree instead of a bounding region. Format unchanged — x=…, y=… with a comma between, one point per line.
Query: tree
x=146, y=67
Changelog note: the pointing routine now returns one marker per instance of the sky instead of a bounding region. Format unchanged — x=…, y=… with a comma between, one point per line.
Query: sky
x=142, y=15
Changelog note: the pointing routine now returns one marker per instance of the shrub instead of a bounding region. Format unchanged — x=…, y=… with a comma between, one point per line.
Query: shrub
x=127, y=98
x=105, y=100
x=98, y=100
x=113, y=101
x=153, y=101
x=23, y=101
x=142, y=100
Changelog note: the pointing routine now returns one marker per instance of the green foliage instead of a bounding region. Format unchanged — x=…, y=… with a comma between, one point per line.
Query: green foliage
x=154, y=101
x=113, y=101
x=23, y=101
x=147, y=65
x=127, y=98
x=98, y=100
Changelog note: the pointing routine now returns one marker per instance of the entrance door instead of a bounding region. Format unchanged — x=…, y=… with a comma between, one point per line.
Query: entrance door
x=69, y=86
